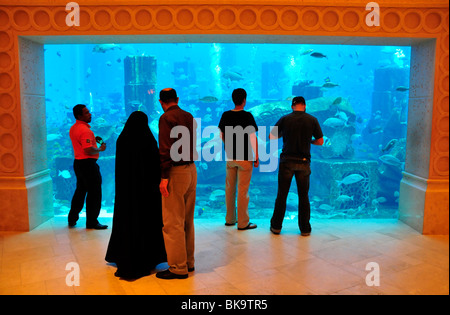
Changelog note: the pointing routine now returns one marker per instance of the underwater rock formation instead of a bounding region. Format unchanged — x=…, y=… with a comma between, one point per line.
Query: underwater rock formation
x=267, y=114
x=140, y=84
x=336, y=117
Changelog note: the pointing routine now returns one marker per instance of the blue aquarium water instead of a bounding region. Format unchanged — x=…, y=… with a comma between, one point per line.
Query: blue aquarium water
x=358, y=93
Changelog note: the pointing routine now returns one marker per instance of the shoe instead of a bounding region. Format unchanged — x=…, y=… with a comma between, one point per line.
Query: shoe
x=168, y=275
x=72, y=224
x=250, y=226
x=305, y=233
x=97, y=226
x=275, y=231
x=230, y=224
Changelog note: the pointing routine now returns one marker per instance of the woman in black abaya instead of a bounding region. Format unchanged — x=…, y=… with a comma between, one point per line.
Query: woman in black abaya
x=136, y=245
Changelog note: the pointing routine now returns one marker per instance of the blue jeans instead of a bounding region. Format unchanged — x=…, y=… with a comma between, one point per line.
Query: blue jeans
x=286, y=171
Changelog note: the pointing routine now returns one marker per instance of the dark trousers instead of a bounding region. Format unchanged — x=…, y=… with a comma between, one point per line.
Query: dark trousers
x=286, y=171
x=89, y=187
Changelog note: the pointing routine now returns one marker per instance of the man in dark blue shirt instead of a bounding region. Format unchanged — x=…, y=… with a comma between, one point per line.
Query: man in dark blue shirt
x=298, y=130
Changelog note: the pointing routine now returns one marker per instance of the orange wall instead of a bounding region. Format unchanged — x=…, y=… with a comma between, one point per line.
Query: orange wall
x=342, y=19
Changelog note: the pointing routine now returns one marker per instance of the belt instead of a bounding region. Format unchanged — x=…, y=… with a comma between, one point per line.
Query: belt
x=295, y=159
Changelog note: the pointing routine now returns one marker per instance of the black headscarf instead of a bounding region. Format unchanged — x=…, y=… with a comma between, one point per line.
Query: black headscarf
x=137, y=244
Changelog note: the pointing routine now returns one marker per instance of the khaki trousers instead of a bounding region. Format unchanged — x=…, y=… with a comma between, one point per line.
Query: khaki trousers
x=178, y=218
x=238, y=176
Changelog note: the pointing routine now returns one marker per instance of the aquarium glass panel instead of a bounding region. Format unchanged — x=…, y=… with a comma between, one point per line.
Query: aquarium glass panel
x=359, y=94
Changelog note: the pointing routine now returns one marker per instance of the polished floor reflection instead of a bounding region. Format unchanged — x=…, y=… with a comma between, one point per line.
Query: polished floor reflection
x=332, y=260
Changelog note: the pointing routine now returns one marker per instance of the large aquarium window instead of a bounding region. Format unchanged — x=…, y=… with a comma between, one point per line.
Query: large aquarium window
x=358, y=93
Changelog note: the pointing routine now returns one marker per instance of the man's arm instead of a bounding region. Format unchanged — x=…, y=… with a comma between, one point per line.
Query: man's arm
x=254, y=143
x=164, y=154
x=274, y=134
x=94, y=150
x=317, y=141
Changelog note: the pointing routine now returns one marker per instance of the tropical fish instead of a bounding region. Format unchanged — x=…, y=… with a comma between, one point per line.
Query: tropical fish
x=389, y=145
x=65, y=174
x=326, y=142
x=326, y=207
x=342, y=115
x=375, y=130
x=334, y=122
x=302, y=83
x=350, y=179
x=209, y=99
x=391, y=160
x=233, y=76
x=355, y=137
x=102, y=48
x=316, y=199
x=344, y=198
x=381, y=199
x=337, y=101
x=100, y=121
x=217, y=194
x=306, y=52
x=402, y=89
x=330, y=85
x=318, y=55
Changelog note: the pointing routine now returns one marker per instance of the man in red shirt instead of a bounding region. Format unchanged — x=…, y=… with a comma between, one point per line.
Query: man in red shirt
x=89, y=179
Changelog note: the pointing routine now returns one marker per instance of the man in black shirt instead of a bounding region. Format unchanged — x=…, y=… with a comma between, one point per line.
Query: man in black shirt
x=238, y=132
x=297, y=129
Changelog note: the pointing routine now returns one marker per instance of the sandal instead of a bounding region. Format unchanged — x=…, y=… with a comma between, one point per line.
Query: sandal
x=250, y=226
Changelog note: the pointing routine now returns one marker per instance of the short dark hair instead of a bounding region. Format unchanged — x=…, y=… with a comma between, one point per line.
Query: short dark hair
x=238, y=96
x=78, y=110
x=298, y=100
x=168, y=95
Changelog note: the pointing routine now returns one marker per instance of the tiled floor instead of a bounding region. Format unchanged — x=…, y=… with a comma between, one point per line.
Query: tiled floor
x=332, y=260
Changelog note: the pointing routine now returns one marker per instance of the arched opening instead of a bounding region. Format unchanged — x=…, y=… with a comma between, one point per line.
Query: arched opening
x=411, y=211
